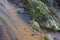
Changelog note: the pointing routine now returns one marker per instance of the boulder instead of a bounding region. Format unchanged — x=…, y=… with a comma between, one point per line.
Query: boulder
x=58, y=2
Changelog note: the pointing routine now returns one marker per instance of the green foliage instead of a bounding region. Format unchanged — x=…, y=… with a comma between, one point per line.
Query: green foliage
x=35, y=25
x=37, y=9
x=46, y=38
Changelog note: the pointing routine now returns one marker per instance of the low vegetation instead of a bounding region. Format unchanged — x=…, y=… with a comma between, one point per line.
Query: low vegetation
x=41, y=13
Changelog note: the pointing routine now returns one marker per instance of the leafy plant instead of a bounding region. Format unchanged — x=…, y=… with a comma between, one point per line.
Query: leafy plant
x=40, y=12
x=46, y=38
x=37, y=9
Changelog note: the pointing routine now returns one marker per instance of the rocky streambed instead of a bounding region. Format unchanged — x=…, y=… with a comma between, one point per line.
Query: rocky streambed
x=55, y=35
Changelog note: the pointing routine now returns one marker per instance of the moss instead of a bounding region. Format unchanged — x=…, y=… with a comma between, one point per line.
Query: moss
x=46, y=38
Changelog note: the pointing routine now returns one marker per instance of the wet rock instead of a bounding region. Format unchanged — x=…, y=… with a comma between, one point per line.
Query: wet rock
x=1, y=4
x=1, y=31
x=14, y=1
x=21, y=10
x=20, y=5
x=17, y=2
x=56, y=38
x=58, y=2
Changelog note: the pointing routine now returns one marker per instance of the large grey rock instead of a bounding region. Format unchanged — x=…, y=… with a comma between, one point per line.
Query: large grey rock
x=58, y=2
x=56, y=38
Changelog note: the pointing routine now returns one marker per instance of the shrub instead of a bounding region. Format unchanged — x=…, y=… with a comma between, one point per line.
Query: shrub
x=37, y=9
